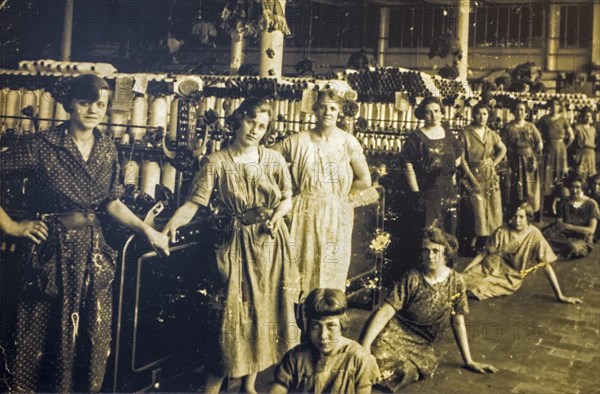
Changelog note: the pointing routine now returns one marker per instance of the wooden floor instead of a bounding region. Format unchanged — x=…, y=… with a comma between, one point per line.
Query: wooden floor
x=539, y=345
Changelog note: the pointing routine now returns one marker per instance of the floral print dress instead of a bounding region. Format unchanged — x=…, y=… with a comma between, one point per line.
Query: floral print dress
x=423, y=313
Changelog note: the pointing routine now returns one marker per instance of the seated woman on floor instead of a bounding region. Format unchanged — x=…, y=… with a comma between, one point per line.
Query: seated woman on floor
x=573, y=233
x=512, y=252
x=401, y=334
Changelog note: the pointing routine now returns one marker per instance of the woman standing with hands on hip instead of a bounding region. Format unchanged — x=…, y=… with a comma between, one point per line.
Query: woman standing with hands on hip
x=483, y=151
x=260, y=276
x=64, y=318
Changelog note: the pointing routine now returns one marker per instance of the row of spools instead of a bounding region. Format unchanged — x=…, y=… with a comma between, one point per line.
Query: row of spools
x=161, y=111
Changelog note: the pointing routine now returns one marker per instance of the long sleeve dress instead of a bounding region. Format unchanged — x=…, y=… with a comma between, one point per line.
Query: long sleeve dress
x=523, y=177
x=63, y=330
x=508, y=256
x=322, y=217
x=553, y=133
x=487, y=203
x=423, y=313
x=434, y=162
x=256, y=317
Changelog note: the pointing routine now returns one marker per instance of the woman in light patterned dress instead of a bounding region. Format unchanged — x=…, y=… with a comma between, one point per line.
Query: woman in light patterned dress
x=256, y=323
x=513, y=251
x=327, y=166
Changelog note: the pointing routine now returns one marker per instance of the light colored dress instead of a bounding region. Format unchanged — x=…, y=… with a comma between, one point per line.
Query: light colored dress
x=305, y=370
x=257, y=323
x=555, y=151
x=523, y=176
x=585, y=157
x=509, y=255
x=487, y=203
x=322, y=217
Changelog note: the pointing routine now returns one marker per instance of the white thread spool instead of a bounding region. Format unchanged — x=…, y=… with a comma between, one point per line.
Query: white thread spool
x=2, y=103
x=131, y=173
x=291, y=115
x=139, y=117
x=398, y=144
x=385, y=143
x=29, y=98
x=168, y=175
x=202, y=106
x=173, y=115
x=369, y=115
x=12, y=108
x=297, y=115
x=395, y=119
x=150, y=177
x=27, y=65
x=220, y=111
x=47, y=104
x=158, y=113
x=118, y=122
x=281, y=110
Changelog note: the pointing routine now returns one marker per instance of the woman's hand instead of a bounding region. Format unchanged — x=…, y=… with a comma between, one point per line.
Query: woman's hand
x=170, y=230
x=570, y=300
x=35, y=230
x=270, y=227
x=475, y=185
x=158, y=241
x=481, y=367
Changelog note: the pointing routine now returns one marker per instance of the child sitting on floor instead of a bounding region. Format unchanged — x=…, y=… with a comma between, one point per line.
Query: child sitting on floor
x=329, y=362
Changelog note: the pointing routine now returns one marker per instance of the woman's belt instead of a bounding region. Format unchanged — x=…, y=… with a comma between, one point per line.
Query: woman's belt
x=323, y=195
x=74, y=220
x=254, y=215
x=525, y=151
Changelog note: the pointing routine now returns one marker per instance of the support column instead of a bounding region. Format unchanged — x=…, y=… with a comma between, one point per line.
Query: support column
x=596, y=33
x=384, y=34
x=462, y=31
x=553, y=39
x=271, y=54
x=271, y=38
x=237, y=54
x=67, y=33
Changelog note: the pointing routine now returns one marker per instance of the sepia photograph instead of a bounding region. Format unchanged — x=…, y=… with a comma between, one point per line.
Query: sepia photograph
x=299, y=196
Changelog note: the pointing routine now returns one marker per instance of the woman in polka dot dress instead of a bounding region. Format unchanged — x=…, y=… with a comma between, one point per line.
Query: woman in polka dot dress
x=64, y=319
